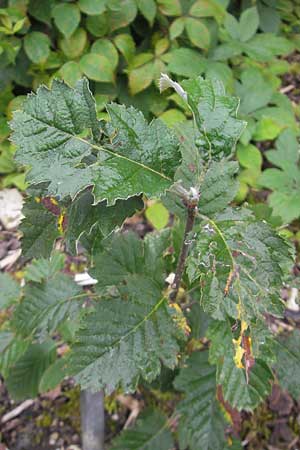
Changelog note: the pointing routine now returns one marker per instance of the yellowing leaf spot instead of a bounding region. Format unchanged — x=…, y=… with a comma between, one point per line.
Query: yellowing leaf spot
x=179, y=319
x=53, y=201
x=60, y=222
x=37, y=199
x=239, y=353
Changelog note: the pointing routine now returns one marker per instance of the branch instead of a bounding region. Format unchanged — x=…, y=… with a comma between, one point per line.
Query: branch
x=191, y=205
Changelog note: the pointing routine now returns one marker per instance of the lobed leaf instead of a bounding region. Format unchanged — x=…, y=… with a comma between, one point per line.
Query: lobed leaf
x=50, y=134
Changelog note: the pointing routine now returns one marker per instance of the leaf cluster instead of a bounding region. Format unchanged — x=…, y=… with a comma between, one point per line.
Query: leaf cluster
x=122, y=46
x=87, y=176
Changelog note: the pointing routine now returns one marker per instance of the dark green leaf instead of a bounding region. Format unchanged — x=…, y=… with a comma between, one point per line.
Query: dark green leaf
x=150, y=432
x=215, y=117
x=201, y=425
x=127, y=336
x=39, y=230
x=48, y=300
x=242, y=258
x=288, y=362
x=24, y=377
x=96, y=221
x=10, y=290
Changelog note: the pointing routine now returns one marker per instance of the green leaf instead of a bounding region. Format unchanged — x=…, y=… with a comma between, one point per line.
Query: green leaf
x=48, y=132
x=98, y=25
x=70, y=73
x=11, y=349
x=170, y=7
x=253, y=80
x=247, y=259
x=74, y=46
x=105, y=48
x=39, y=230
x=48, y=300
x=24, y=377
x=172, y=116
x=284, y=180
x=53, y=375
x=142, y=76
x=186, y=62
x=232, y=26
x=288, y=362
x=10, y=290
x=97, y=67
x=249, y=156
x=267, y=129
x=218, y=188
x=42, y=269
x=215, y=117
x=240, y=393
x=176, y=28
x=249, y=22
x=41, y=10
x=208, y=8
x=197, y=32
x=96, y=221
x=153, y=146
x=150, y=432
x=201, y=423
x=264, y=47
x=37, y=46
x=127, y=336
x=92, y=7
x=126, y=45
x=227, y=51
x=148, y=9
x=122, y=14
x=157, y=215
x=66, y=18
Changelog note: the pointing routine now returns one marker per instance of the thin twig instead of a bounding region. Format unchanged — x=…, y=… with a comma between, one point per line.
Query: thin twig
x=17, y=411
x=191, y=214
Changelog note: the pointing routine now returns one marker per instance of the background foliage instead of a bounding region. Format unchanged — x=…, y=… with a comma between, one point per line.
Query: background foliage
x=123, y=45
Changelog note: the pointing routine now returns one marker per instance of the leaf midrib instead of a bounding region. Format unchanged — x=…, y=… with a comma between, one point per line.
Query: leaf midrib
x=102, y=149
x=130, y=332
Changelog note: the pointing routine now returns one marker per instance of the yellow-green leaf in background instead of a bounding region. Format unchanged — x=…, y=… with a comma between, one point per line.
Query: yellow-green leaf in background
x=70, y=72
x=97, y=67
x=92, y=7
x=37, y=46
x=267, y=128
x=105, y=48
x=197, y=32
x=172, y=116
x=157, y=215
x=169, y=7
x=66, y=17
x=126, y=45
x=177, y=27
x=148, y=9
x=98, y=25
x=74, y=46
